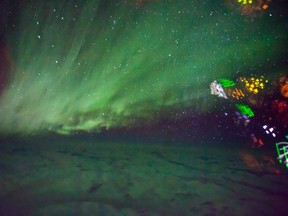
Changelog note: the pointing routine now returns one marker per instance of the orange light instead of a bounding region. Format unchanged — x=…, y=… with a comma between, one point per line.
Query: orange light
x=236, y=93
x=265, y=6
x=284, y=90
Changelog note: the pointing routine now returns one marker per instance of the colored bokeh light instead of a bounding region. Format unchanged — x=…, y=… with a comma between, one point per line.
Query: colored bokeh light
x=244, y=2
x=257, y=142
x=235, y=93
x=217, y=89
x=245, y=110
x=279, y=106
x=258, y=4
x=249, y=7
x=284, y=90
x=251, y=93
x=242, y=119
x=254, y=85
x=283, y=107
x=226, y=82
x=282, y=152
x=269, y=130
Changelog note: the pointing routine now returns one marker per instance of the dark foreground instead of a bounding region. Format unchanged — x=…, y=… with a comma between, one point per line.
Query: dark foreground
x=77, y=177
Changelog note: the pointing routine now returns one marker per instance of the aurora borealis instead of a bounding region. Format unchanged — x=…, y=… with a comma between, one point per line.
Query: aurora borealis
x=93, y=65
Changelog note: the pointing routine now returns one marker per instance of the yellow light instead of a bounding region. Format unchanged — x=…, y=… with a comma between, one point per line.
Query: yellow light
x=254, y=84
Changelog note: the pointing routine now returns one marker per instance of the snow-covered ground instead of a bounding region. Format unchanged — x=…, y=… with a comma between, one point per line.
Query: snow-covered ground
x=79, y=177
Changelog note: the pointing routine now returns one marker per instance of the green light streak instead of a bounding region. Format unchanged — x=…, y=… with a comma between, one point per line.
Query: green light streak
x=245, y=110
x=283, y=153
x=278, y=152
x=101, y=65
x=226, y=83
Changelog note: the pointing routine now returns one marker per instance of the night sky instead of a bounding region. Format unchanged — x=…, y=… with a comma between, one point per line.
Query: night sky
x=71, y=67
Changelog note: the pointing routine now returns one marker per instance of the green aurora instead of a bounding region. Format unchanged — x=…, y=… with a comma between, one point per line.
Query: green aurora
x=93, y=65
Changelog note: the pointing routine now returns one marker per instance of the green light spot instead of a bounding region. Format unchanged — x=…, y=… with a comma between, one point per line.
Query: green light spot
x=244, y=2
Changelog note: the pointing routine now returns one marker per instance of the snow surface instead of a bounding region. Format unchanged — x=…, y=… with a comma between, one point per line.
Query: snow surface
x=78, y=177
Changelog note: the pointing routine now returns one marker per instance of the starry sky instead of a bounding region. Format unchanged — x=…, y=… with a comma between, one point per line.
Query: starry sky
x=92, y=66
